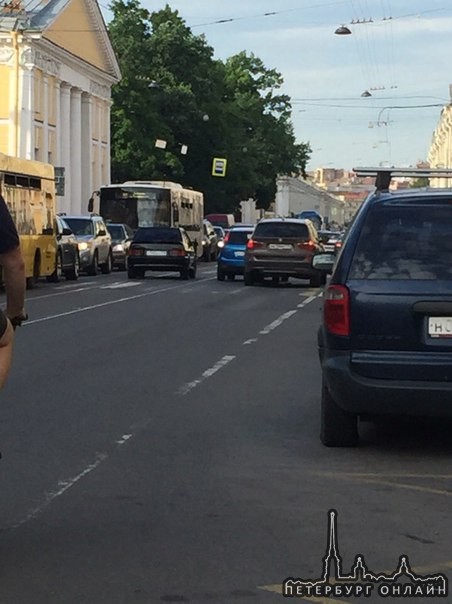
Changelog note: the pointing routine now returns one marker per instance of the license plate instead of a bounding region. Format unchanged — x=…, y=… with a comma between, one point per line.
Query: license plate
x=238, y=254
x=279, y=246
x=155, y=253
x=440, y=327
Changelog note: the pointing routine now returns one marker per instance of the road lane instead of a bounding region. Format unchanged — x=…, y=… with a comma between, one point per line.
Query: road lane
x=146, y=493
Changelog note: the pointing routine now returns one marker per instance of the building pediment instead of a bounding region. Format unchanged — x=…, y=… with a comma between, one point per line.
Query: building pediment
x=74, y=26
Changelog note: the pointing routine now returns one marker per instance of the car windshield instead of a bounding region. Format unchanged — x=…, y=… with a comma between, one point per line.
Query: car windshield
x=239, y=237
x=157, y=235
x=291, y=230
x=116, y=231
x=80, y=226
x=405, y=242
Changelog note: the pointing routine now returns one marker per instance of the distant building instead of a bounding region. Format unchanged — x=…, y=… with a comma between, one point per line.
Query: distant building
x=57, y=67
x=440, y=154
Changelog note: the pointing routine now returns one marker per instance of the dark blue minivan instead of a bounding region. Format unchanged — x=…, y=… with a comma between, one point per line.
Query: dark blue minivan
x=385, y=342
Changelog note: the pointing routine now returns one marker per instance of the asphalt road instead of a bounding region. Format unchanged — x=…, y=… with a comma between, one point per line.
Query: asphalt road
x=160, y=444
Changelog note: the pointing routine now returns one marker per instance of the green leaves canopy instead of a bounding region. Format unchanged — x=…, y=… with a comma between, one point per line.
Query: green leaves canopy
x=173, y=89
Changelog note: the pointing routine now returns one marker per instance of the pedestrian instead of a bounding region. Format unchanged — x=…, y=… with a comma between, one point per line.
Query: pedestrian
x=13, y=271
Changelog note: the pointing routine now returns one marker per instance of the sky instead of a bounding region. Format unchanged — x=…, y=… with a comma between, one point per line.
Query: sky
x=399, y=51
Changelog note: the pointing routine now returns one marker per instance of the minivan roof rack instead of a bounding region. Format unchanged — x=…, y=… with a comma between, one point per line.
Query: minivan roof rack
x=383, y=176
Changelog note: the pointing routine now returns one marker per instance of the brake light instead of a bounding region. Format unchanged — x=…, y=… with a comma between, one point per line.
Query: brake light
x=136, y=251
x=252, y=244
x=177, y=252
x=338, y=244
x=307, y=245
x=336, y=310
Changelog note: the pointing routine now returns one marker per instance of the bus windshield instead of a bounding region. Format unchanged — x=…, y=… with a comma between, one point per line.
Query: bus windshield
x=136, y=206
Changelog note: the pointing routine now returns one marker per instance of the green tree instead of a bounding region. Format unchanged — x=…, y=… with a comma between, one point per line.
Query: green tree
x=174, y=89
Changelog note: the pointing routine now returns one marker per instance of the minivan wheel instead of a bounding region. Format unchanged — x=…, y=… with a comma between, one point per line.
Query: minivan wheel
x=338, y=428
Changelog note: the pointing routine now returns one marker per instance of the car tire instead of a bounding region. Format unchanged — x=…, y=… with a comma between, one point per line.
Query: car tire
x=248, y=278
x=93, y=268
x=338, y=428
x=31, y=282
x=192, y=272
x=57, y=274
x=131, y=273
x=108, y=266
x=185, y=273
x=221, y=276
x=323, y=279
x=74, y=273
x=275, y=280
x=316, y=280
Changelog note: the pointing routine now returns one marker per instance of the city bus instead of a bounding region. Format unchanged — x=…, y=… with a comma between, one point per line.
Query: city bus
x=152, y=203
x=28, y=188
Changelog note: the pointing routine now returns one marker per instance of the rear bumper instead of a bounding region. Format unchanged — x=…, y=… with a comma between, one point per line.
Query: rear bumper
x=231, y=266
x=371, y=396
x=158, y=264
x=280, y=267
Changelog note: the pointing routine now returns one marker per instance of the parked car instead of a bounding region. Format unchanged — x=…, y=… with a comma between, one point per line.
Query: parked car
x=94, y=243
x=231, y=259
x=209, y=242
x=331, y=240
x=162, y=249
x=385, y=342
x=283, y=248
x=121, y=236
x=67, y=259
x=223, y=220
x=220, y=232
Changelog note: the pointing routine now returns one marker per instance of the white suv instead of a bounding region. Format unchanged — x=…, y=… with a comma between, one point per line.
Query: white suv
x=94, y=243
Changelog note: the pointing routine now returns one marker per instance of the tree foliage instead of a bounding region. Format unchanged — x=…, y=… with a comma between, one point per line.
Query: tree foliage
x=173, y=89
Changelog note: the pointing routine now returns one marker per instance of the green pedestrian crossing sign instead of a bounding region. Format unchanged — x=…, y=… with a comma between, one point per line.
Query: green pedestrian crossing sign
x=219, y=166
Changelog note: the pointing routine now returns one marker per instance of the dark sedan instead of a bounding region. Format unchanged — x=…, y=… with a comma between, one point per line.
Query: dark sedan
x=121, y=236
x=161, y=249
x=67, y=259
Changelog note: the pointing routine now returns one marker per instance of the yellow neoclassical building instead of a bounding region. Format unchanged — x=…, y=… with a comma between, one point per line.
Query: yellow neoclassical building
x=440, y=154
x=57, y=67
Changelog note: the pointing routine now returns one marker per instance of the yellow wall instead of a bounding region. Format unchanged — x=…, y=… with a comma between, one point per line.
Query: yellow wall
x=4, y=87
x=74, y=31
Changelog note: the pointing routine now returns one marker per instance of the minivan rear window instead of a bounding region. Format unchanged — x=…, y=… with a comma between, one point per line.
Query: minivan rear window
x=406, y=241
x=290, y=230
x=157, y=235
x=239, y=237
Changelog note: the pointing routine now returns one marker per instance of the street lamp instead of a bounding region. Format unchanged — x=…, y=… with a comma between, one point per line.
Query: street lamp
x=343, y=30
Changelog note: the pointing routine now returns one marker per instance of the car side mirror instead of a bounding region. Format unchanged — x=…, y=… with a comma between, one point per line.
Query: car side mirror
x=324, y=262
x=67, y=231
x=101, y=233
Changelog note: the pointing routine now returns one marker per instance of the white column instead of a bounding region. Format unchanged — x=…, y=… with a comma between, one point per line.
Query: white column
x=45, y=115
x=76, y=151
x=57, y=93
x=108, y=105
x=64, y=136
x=87, y=151
x=99, y=175
x=26, y=114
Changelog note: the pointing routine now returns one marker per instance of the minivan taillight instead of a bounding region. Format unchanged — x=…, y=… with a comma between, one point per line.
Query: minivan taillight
x=252, y=244
x=336, y=310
